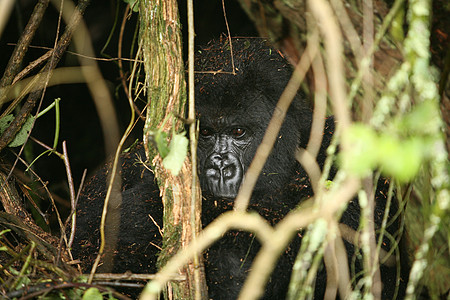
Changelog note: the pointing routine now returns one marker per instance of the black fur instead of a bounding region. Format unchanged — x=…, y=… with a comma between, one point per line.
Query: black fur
x=224, y=101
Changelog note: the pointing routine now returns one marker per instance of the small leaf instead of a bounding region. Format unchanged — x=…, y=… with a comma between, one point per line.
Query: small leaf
x=424, y=118
x=5, y=122
x=362, y=154
x=134, y=4
x=160, y=139
x=177, y=153
x=400, y=159
x=22, y=135
x=92, y=294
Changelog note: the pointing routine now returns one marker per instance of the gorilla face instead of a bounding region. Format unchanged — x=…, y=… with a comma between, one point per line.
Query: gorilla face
x=227, y=145
x=234, y=111
x=222, y=171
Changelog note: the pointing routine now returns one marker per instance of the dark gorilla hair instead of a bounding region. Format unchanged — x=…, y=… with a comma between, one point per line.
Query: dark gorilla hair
x=234, y=110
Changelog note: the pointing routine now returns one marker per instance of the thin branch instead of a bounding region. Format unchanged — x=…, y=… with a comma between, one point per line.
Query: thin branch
x=333, y=46
x=272, y=130
x=22, y=45
x=229, y=37
x=9, y=134
x=200, y=289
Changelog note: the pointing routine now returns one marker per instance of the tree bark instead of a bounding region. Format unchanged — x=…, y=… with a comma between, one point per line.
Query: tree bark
x=166, y=91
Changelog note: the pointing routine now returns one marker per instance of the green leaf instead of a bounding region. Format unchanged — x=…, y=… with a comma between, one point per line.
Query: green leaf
x=362, y=154
x=400, y=159
x=177, y=153
x=134, y=4
x=5, y=122
x=22, y=135
x=424, y=118
x=92, y=294
x=159, y=137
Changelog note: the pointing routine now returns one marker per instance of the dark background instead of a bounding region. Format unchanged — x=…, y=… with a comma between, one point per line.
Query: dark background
x=79, y=123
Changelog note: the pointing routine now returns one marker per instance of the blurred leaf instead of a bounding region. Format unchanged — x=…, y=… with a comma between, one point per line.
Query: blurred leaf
x=22, y=135
x=361, y=156
x=5, y=122
x=92, y=294
x=134, y=4
x=177, y=153
x=424, y=118
x=400, y=159
x=159, y=137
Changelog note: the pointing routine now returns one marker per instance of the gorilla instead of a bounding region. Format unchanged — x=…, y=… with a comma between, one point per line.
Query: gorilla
x=234, y=111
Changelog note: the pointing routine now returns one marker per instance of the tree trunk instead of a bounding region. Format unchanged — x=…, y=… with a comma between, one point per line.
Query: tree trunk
x=166, y=91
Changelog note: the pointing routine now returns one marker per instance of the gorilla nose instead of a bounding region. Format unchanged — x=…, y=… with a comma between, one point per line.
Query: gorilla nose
x=223, y=175
x=223, y=170
x=229, y=171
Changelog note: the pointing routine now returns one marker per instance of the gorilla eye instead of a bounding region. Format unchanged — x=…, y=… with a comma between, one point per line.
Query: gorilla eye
x=238, y=132
x=206, y=131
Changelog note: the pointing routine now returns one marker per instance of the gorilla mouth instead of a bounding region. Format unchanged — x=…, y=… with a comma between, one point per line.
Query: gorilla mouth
x=223, y=175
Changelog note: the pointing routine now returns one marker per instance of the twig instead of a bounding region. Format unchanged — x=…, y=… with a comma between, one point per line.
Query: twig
x=201, y=290
x=73, y=211
x=9, y=134
x=229, y=37
x=112, y=182
x=22, y=46
x=133, y=276
x=333, y=46
x=227, y=221
x=272, y=130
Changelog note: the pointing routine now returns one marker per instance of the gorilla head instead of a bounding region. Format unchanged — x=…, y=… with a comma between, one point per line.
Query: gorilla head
x=234, y=111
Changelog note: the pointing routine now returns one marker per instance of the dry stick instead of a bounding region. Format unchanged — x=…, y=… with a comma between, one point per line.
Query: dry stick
x=229, y=37
x=331, y=264
x=307, y=157
x=84, y=55
x=348, y=29
x=333, y=46
x=31, y=66
x=73, y=211
x=343, y=268
x=119, y=62
x=58, y=216
x=104, y=106
x=368, y=34
x=201, y=290
x=72, y=197
x=59, y=76
x=371, y=263
x=270, y=251
x=133, y=276
x=22, y=46
x=227, y=221
x=271, y=134
x=335, y=248
x=44, y=242
x=95, y=82
x=320, y=103
x=112, y=180
x=9, y=134
x=6, y=7
x=61, y=225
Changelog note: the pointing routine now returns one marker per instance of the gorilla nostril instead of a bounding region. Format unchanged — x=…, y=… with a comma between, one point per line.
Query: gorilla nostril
x=216, y=161
x=229, y=172
x=212, y=174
